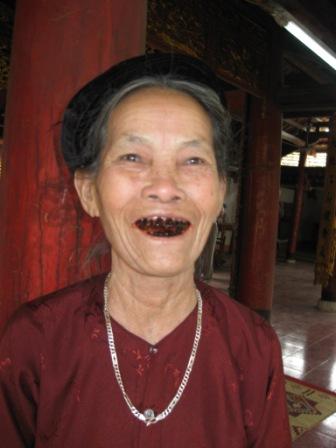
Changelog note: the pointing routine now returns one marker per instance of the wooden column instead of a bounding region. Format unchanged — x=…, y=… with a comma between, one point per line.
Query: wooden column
x=325, y=269
x=58, y=46
x=259, y=215
x=328, y=294
x=329, y=291
x=298, y=205
x=260, y=206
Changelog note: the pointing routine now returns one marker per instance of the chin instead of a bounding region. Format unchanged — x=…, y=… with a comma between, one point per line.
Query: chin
x=167, y=268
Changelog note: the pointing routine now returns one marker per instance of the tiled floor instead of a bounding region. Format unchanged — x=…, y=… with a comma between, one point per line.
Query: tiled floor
x=307, y=336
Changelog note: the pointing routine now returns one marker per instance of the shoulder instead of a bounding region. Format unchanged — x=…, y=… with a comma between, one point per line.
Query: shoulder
x=243, y=329
x=224, y=307
x=38, y=316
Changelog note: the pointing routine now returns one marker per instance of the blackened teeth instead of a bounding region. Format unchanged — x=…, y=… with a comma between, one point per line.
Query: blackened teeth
x=162, y=227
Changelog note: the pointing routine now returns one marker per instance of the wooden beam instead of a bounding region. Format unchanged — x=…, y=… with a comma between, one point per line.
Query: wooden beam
x=295, y=124
x=319, y=17
x=310, y=66
x=321, y=99
x=293, y=139
x=299, y=56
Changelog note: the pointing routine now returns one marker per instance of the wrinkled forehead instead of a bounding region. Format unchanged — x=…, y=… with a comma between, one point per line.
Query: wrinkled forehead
x=159, y=111
x=158, y=97
x=87, y=104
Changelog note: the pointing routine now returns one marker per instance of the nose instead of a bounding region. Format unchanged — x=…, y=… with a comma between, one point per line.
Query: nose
x=163, y=187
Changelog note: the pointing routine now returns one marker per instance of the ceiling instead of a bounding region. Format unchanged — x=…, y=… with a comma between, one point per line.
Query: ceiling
x=308, y=96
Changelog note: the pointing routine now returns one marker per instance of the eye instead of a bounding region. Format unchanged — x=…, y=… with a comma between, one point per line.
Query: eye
x=130, y=158
x=195, y=161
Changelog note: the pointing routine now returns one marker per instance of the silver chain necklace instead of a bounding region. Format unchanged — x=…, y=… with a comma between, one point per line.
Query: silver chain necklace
x=148, y=416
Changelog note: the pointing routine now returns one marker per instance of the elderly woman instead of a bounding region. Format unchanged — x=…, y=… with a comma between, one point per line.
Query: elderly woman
x=142, y=357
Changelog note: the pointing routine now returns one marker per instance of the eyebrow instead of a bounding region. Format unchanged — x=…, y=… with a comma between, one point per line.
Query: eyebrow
x=133, y=138
x=195, y=143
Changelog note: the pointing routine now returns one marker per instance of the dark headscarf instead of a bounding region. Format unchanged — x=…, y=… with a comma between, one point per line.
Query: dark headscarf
x=85, y=107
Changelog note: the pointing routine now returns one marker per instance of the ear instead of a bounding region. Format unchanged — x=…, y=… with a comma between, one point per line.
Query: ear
x=84, y=183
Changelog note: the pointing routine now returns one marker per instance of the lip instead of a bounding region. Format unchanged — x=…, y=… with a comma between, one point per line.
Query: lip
x=164, y=215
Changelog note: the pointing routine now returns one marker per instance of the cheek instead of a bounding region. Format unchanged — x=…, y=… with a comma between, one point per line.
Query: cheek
x=114, y=193
x=207, y=195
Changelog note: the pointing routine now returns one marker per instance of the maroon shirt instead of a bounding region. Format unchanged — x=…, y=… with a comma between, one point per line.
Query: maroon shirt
x=58, y=389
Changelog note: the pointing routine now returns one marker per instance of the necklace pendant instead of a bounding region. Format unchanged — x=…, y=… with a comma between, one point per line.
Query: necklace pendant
x=149, y=415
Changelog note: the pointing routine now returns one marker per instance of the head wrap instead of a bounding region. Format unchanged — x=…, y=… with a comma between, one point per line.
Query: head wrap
x=85, y=107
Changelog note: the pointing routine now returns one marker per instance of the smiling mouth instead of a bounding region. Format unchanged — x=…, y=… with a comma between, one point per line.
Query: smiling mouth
x=162, y=226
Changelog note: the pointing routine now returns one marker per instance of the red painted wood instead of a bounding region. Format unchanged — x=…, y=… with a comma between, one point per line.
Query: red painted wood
x=260, y=207
x=329, y=290
x=260, y=190
x=58, y=46
x=298, y=205
x=236, y=103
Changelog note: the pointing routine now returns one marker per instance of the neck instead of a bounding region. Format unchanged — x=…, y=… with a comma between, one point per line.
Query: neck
x=150, y=307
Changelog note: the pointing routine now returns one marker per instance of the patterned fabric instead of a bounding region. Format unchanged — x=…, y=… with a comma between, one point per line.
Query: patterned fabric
x=58, y=387
x=326, y=248
x=307, y=405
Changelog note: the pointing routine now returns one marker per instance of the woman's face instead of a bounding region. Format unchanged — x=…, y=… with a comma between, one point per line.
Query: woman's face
x=157, y=190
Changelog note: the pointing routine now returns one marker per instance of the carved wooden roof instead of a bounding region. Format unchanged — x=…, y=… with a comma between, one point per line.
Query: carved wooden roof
x=234, y=37
x=6, y=26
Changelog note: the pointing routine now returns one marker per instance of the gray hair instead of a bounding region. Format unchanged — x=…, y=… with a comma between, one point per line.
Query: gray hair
x=206, y=97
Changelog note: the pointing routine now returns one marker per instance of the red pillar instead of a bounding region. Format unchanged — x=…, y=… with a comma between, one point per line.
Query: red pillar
x=258, y=223
x=298, y=205
x=328, y=294
x=260, y=206
x=325, y=268
x=58, y=46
